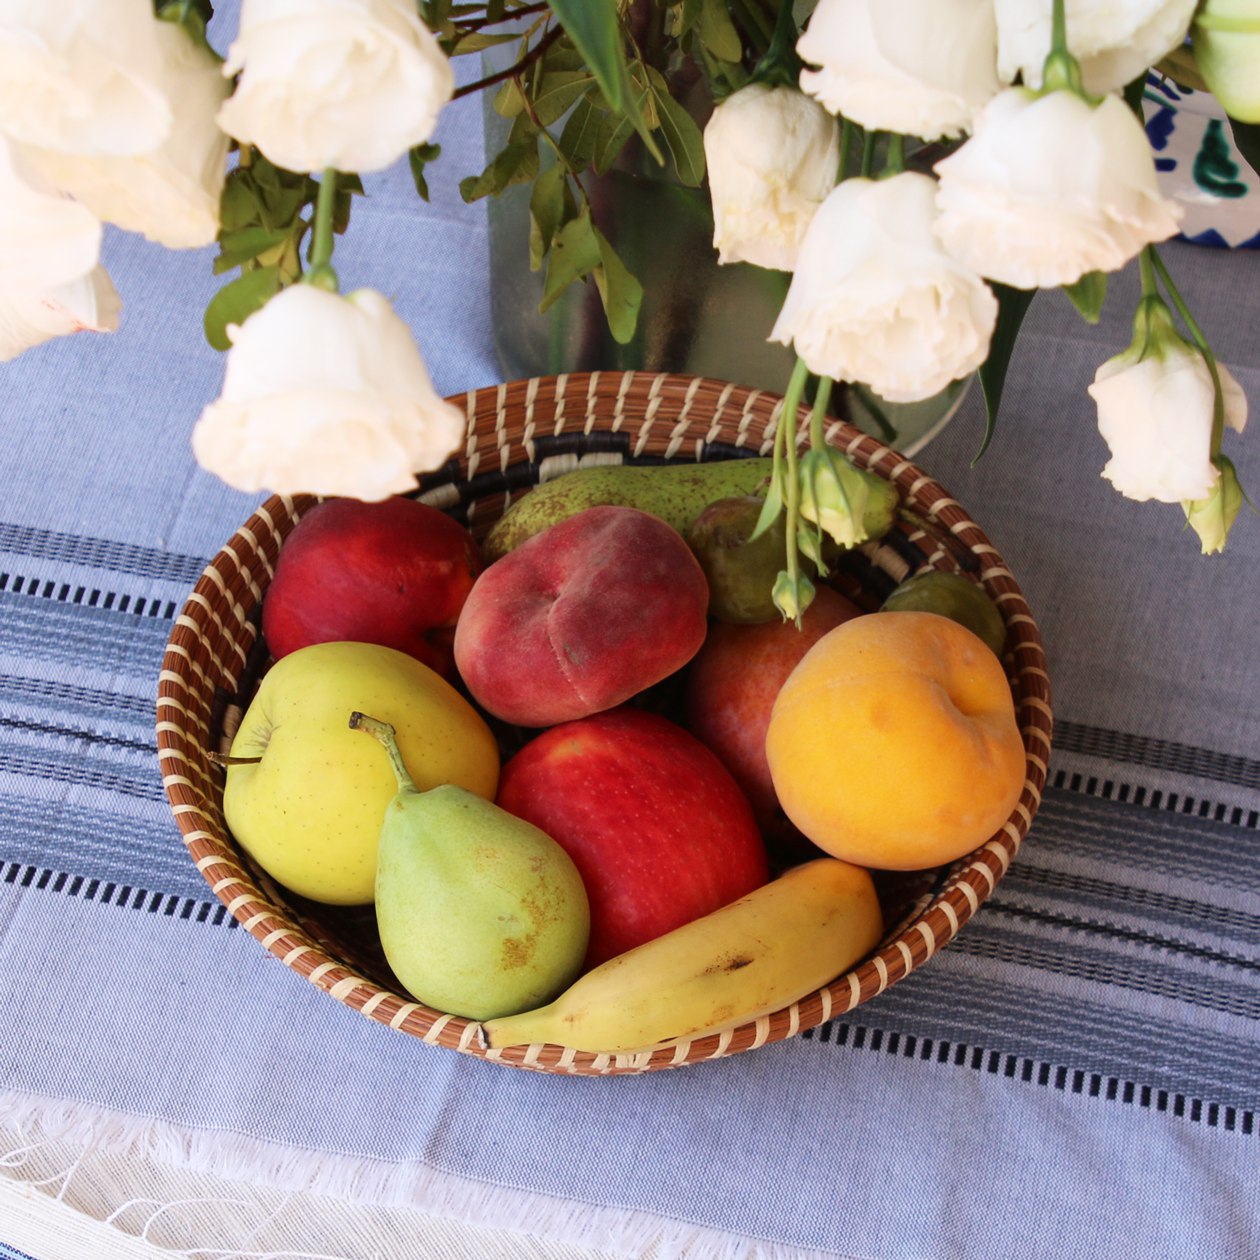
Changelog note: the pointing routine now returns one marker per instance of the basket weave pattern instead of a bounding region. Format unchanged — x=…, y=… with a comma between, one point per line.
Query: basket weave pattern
x=516, y=434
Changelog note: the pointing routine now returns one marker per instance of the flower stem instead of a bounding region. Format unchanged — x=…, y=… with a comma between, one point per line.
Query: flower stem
x=868, y=153
x=1218, y=416
x=822, y=399
x=321, y=273
x=1062, y=71
x=791, y=402
x=846, y=145
x=895, y=162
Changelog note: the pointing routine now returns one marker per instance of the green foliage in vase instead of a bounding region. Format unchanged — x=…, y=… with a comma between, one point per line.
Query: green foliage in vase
x=589, y=75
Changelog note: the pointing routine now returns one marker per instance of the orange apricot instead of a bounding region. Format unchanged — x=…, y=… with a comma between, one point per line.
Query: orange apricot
x=894, y=744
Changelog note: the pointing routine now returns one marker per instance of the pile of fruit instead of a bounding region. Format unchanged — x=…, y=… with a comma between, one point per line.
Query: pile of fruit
x=608, y=886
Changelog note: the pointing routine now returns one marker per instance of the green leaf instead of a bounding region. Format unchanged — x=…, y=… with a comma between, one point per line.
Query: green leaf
x=685, y=140
x=562, y=56
x=281, y=194
x=1247, y=141
x=348, y=187
x=238, y=206
x=691, y=10
x=620, y=292
x=419, y=157
x=475, y=41
x=610, y=138
x=1134, y=91
x=1012, y=307
x=245, y=243
x=718, y=33
x=770, y=509
x=517, y=164
x=1087, y=295
x=558, y=92
x=577, y=140
x=523, y=128
x=235, y=302
x=508, y=101
x=595, y=30
x=546, y=212
x=574, y=253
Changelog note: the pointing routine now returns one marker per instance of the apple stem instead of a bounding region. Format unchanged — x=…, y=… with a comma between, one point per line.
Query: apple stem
x=386, y=735
x=222, y=759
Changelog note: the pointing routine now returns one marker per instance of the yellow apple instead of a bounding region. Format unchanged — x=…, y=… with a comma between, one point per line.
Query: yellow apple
x=310, y=810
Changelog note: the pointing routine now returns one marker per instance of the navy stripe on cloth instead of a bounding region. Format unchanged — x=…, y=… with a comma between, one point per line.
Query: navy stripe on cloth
x=99, y=553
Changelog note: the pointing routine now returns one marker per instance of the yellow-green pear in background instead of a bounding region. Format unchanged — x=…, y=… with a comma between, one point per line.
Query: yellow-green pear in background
x=308, y=804
x=480, y=913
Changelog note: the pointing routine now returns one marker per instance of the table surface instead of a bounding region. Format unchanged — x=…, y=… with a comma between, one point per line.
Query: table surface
x=1078, y=1075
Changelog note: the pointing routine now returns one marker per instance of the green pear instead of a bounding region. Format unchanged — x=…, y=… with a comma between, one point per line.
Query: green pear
x=480, y=913
x=953, y=596
x=676, y=493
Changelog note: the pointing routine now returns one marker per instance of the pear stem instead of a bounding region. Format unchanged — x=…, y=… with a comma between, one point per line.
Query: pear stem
x=386, y=735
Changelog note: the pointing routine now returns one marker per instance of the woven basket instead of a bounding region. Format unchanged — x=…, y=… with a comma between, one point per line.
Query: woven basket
x=517, y=434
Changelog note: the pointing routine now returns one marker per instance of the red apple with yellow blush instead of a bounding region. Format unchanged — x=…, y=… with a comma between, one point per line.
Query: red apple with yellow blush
x=658, y=829
x=731, y=688
x=395, y=573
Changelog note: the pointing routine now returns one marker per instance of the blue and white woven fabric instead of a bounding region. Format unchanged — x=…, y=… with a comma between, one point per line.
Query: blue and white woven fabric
x=1077, y=1077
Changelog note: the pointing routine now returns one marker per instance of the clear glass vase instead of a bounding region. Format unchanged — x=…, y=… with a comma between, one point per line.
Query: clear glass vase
x=697, y=318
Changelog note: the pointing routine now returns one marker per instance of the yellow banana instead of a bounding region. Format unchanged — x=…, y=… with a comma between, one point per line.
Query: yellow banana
x=750, y=958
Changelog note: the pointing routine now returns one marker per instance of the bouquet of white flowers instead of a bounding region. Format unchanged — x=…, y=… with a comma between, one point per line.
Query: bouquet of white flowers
x=921, y=167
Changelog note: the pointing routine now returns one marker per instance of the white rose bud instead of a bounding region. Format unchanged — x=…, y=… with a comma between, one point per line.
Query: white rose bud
x=920, y=67
x=876, y=299
x=351, y=84
x=171, y=194
x=327, y=395
x=773, y=156
x=51, y=282
x=1114, y=42
x=1227, y=50
x=82, y=76
x=1050, y=188
x=1155, y=413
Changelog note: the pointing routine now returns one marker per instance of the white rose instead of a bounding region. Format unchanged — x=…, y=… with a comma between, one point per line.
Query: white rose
x=1115, y=42
x=1227, y=50
x=876, y=299
x=327, y=395
x=51, y=282
x=773, y=156
x=171, y=194
x=920, y=67
x=45, y=238
x=31, y=316
x=351, y=84
x=1050, y=188
x=1156, y=416
x=82, y=75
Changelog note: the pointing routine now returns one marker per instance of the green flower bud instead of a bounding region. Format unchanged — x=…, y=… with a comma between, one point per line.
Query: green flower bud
x=846, y=503
x=792, y=596
x=1227, y=51
x=1212, y=517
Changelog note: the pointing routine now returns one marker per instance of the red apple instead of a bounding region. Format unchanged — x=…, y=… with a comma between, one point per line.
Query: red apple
x=581, y=617
x=731, y=687
x=658, y=829
x=395, y=573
